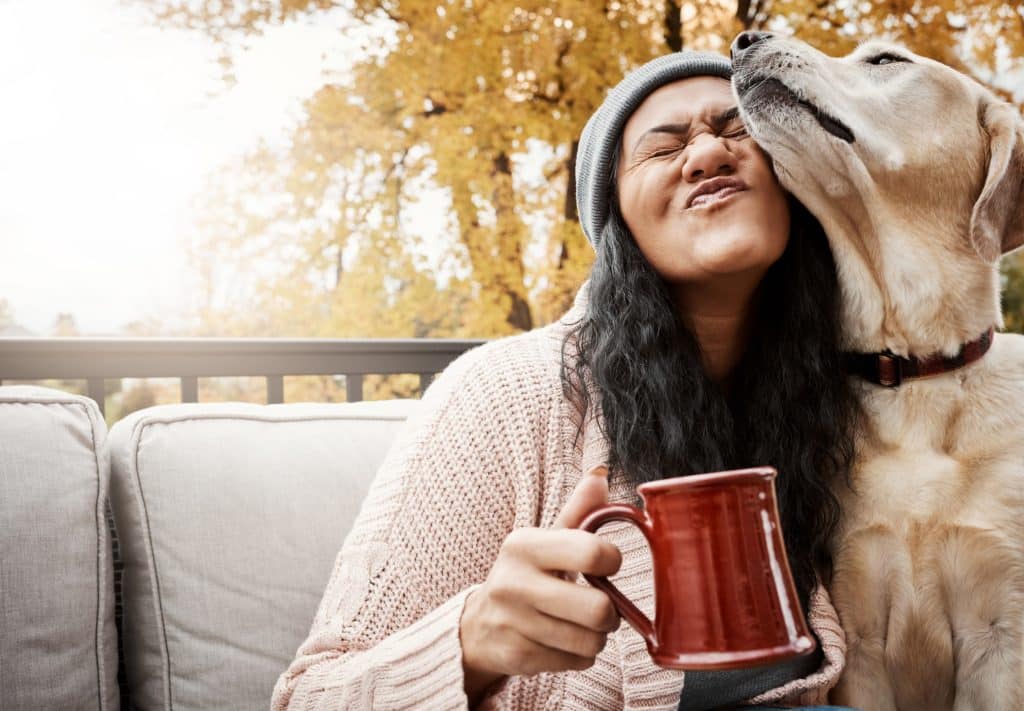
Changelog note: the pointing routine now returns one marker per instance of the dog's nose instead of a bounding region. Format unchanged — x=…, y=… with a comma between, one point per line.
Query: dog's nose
x=746, y=40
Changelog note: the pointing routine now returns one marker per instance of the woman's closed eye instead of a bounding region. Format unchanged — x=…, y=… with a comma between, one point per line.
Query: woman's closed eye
x=667, y=151
x=660, y=151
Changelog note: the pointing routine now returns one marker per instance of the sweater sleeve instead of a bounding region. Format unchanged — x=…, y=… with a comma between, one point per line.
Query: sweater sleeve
x=386, y=634
x=813, y=690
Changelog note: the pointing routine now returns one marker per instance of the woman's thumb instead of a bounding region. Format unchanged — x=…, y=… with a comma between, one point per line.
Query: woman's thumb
x=591, y=493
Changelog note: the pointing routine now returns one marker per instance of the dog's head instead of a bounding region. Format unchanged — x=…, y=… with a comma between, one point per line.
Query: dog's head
x=915, y=171
x=886, y=136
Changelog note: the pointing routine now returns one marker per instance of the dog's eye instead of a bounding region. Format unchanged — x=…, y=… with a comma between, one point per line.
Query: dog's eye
x=886, y=58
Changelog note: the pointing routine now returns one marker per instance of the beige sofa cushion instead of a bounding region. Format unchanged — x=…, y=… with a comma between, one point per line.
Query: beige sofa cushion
x=230, y=517
x=58, y=643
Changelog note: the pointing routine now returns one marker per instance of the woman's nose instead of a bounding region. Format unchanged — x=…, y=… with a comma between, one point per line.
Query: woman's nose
x=708, y=157
x=746, y=40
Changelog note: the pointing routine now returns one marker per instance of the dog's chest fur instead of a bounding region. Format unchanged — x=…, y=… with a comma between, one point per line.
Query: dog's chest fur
x=929, y=554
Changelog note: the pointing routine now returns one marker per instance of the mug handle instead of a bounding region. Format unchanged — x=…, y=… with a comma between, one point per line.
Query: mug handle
x=637, y=517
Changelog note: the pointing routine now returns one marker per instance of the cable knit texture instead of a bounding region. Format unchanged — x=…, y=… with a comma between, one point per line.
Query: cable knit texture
x=491, y=448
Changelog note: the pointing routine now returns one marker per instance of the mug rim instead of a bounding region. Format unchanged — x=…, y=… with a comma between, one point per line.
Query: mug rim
x=709, y=479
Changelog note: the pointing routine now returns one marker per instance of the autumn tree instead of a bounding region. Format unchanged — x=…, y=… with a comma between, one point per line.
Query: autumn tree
x=1013, y=292
x=64, y=325
x=448, y=101
x=459, y=95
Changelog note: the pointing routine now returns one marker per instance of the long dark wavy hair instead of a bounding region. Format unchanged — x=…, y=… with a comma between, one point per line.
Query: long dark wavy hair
x=791, y=408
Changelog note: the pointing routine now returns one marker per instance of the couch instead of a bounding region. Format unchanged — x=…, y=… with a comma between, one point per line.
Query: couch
x=176, y=561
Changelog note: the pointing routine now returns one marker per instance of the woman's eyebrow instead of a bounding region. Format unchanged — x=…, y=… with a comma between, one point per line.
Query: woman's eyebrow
x=673, y=128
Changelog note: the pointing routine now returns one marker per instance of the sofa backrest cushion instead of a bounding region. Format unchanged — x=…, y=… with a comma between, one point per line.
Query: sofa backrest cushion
x=230, y=517
x=58, y=642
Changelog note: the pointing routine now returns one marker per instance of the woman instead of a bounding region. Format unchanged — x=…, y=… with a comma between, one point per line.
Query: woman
x=703, y=340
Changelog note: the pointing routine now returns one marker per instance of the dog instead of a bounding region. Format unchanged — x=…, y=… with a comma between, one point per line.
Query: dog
x=916, y=173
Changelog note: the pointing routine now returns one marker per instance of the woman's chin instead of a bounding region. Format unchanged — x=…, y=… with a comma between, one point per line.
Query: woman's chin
x=738, y=256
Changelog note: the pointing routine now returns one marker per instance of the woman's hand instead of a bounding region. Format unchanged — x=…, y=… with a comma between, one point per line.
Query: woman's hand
x=527, y=617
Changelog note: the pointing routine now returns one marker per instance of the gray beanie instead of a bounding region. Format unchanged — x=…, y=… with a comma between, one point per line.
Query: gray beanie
x=602, y=132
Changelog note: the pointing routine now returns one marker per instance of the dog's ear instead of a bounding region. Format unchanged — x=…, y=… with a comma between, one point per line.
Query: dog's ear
x=997, y=223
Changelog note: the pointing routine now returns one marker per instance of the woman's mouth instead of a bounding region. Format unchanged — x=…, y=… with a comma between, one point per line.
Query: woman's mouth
x=712, y=198
x=713, y=191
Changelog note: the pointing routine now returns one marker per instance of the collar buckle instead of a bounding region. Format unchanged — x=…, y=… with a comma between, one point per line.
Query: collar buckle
x=890, y=370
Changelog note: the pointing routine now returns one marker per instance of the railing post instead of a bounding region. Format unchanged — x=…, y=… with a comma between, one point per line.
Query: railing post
x=425, y=380
x=190, y=389
x=275, y=389
x=353, y=387
x=98, y=392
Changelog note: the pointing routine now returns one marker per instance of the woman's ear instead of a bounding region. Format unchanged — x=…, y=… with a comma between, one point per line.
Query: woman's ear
x=997, y=223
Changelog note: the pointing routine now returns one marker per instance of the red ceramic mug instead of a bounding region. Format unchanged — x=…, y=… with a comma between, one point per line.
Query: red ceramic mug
x=724, y=595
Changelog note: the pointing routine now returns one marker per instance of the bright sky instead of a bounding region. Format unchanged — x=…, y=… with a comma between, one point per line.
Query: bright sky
x=109, y=128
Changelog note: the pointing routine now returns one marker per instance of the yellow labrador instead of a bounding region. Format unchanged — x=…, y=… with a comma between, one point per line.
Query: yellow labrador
x=916, y=173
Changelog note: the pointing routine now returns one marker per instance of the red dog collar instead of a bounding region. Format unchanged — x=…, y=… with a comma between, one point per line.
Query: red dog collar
x=890, y=370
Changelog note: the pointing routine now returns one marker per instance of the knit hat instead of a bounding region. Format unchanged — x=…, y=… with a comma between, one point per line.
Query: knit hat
x=602, y=132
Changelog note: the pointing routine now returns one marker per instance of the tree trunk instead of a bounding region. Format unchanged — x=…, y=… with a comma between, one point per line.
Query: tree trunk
x=746, y=12
x=569, y=207
x=673, y=25
x=570, y=212
x=510, y=234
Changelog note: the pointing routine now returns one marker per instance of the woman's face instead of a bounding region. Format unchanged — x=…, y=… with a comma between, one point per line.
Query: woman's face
x=696, y=192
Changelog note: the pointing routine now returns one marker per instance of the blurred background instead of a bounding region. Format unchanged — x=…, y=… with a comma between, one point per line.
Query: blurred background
x=352, y=169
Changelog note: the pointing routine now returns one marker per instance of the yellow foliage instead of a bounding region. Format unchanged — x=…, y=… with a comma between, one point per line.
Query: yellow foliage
x=462, y=91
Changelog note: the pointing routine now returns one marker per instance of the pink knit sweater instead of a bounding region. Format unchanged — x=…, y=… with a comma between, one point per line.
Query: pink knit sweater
x=491, y=448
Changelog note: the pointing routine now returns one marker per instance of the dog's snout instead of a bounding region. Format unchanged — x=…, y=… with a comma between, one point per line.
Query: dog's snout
x=746, y=40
